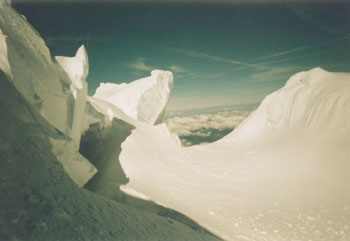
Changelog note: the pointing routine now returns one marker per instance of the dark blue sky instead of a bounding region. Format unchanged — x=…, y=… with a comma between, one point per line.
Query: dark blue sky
x=220, y=54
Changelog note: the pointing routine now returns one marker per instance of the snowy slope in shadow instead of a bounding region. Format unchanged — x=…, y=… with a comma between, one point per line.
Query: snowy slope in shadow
x=44, y=111
x=281, y=175
x=41, y=202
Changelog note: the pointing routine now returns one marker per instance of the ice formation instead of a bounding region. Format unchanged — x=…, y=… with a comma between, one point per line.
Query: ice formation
x=281, y=175
x=44, y=111
x=77, y=69
x=56, y=90
x=144, y=99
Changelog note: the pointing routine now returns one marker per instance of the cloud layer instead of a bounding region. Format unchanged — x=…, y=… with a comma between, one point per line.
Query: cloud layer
x=206, y=127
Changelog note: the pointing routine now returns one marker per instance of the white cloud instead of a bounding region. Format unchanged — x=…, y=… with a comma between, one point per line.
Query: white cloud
x=214, y=58
x=177, y=69
x=193, y=125
x=140, y=65
x=273, y=74
x=286, y=52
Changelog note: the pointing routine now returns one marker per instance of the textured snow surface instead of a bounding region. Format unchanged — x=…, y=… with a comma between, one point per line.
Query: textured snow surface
x=43, y=112
x=281, y=175
x=144, y=99
x=42, y=202
x=77, y=69
x=56, y=90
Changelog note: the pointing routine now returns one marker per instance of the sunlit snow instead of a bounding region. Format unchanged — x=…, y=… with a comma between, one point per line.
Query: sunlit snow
x=282, y=174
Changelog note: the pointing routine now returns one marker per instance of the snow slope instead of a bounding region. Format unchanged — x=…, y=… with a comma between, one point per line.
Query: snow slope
x=40, y=201
x=281, y=175
x=314, y=99
x=41, y=120
x=56, y=90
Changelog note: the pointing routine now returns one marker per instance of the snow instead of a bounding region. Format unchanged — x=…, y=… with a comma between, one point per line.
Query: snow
x=76, y=166
x=42, y=202
x=314, y=99
x=144, y=99
x=4, y=63
x=56, y=90
x=5, y=2
x=41, y=116
x=77, y=69
x=281, y=175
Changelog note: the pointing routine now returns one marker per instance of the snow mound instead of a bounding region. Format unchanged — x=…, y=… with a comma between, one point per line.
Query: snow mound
x=281, y=175
x=314, y=99
x=144, y=99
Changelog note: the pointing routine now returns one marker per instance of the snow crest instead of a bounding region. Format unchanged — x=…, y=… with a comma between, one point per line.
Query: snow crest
x=281, y=175
x=77, y=69
x=144, y=99
x=314, y=99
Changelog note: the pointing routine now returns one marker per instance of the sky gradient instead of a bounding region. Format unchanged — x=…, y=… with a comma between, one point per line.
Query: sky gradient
x=221, y=54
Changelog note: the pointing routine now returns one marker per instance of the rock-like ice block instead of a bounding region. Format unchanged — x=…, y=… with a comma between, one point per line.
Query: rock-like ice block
x=144, y=99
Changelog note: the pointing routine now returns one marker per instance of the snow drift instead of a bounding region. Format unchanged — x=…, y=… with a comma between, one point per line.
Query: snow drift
x=281, y=175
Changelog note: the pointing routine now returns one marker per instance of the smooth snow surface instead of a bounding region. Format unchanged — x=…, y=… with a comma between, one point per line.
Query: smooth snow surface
x=144, y=99
x=283, y=174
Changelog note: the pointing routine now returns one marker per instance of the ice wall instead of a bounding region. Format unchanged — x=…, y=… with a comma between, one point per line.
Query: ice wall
x=77, y=69
x=57, y=90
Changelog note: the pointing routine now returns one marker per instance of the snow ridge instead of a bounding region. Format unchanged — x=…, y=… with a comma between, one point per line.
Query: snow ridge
x=314, y=99
x=144, y=99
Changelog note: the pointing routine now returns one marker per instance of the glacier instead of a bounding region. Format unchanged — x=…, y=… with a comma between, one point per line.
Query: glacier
x=281, y=175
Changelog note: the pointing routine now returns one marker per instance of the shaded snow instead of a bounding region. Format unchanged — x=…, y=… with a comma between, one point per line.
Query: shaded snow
x=42, y=116
x=56, y=91
x=77, y=69
x=42, y=202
